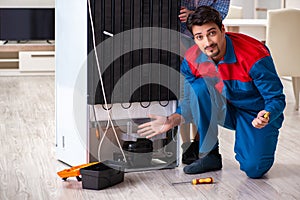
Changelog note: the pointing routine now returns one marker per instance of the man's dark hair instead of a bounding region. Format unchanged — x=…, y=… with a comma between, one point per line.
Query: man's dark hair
x=204, y=15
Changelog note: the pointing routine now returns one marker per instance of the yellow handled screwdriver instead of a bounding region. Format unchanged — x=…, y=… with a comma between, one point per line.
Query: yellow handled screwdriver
x=267, y=115
x=196, y=181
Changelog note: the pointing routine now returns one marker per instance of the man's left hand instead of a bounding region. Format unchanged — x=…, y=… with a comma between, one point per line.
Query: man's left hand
x=260, y=121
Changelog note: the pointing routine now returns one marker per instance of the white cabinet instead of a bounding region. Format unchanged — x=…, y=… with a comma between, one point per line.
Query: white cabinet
x=36, y=61
x=27, y=59
x=27, y=3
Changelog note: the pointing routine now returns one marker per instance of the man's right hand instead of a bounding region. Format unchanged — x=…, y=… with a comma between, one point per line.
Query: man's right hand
x=157, y=125
x=184, y=13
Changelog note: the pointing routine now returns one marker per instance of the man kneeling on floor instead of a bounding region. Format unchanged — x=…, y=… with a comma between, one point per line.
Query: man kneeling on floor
x=230, y=80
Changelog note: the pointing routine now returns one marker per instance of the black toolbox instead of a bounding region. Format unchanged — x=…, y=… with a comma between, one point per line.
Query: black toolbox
x=102, y=175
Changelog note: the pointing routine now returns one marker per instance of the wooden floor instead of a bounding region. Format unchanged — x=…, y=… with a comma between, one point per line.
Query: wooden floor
x=28, y=165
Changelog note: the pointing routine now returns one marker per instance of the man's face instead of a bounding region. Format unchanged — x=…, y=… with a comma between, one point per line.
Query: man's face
x=211, y=40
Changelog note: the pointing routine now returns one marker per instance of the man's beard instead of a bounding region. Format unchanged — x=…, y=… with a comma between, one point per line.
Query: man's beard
x=216, y=53
x=211, y=51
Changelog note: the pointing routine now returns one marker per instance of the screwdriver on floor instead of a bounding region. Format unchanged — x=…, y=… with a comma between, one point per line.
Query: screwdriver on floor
x=196, y=181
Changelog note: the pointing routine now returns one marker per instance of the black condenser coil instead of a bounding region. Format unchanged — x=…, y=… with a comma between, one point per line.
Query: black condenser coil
x=137, y=46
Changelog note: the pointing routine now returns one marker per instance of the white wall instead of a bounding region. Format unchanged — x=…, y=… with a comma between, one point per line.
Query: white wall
x=292, y=4
x=27, y=3
x=248, y=7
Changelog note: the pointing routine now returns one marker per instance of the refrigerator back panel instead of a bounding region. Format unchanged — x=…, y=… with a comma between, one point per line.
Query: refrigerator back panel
x=138, y=50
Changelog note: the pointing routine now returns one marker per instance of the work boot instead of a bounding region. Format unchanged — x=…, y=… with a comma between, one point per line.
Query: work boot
x=190, y=151
x=208, y=162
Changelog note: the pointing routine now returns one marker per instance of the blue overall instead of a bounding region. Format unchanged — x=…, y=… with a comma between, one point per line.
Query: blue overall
x=230, y=94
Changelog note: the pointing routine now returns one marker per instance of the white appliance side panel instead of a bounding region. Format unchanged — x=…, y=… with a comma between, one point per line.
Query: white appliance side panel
x=71, y=81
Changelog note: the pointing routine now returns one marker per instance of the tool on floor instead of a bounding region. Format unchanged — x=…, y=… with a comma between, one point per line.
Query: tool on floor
x=196, y=181
x=73, y=171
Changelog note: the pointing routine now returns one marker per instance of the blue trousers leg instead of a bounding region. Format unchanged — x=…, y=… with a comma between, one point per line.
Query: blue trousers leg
x=254, y=148
x=208, y=109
